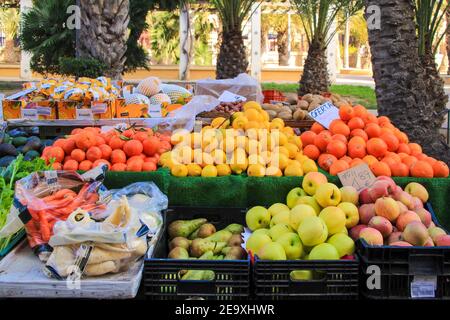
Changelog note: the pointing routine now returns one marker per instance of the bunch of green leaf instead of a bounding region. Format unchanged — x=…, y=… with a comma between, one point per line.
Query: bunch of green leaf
x=17, y=170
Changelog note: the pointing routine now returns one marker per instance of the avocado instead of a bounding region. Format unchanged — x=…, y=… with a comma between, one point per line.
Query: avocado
x=7, y=149
x=20, y=149
x=17, y=133
x=32, y=145
x=5, y=161
x=31, y=155
x=19, y=141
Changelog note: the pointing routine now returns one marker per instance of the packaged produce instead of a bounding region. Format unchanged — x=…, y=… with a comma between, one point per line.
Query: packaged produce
x=359, y=137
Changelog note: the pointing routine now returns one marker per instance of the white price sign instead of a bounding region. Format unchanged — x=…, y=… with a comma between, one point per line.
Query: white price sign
x=30, y=114
x=154, y=111
x=325, y=114
x=228, y=96
x=84, y=114
x=423, y=287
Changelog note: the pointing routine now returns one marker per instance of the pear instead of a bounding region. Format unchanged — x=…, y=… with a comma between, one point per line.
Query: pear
x=220, y=236
x=236, y=253
x=179, y=242
x=198, y=274
x=200, y=246
x=235, y=228
x=206, y=230
x=183, y=228
x=194, y=235
x=178, y=253
x=235, y=240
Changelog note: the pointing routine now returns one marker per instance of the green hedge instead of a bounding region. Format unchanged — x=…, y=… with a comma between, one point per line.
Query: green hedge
x=243, y=191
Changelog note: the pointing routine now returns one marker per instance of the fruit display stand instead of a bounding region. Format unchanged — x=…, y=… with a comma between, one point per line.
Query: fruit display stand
x=162, y=280
x=406, y=272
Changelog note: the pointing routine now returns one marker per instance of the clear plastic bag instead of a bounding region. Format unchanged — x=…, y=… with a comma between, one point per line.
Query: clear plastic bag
x=44, y=198
x=243, y=85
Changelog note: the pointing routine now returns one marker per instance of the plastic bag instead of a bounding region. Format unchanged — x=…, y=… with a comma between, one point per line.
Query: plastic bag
x=44, y=198
x=243, y=85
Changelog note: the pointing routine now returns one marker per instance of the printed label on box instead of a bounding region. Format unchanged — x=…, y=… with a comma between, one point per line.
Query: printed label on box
x=84, y=114
x=29, y=114
x=325, y=114
x=228, y=96
x=423, y=287
x=99, y=107
x=359, y=177
x=155, y=111
x=44, y=111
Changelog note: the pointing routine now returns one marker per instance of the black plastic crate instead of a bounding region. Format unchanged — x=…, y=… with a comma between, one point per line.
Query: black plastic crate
x=161, y=275
x=333, y=279
x=399, y=267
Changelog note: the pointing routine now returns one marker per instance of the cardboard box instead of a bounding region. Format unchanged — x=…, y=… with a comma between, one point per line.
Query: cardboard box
x=96, y=110
x=17, y=109
x=130, y=111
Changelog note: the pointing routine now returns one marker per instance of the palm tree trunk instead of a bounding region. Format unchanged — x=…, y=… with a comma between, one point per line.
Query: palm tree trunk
x=315, y=77
x=104, y=33
x=283, y=52
x=447, y=38
x=9, y=54
x=346, y=44
x=402, y=87
x=232, y=58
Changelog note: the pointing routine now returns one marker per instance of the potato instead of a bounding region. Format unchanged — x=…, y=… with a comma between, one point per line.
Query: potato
x=272, y=114
x=285, y=115
x=303, y=104
x=308, y=97
x=299, y=115
x=313, y=106
x=285, y=109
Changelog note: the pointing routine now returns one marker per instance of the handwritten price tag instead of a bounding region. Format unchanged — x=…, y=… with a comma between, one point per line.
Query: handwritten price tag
x=325, y=114
x=359, y=177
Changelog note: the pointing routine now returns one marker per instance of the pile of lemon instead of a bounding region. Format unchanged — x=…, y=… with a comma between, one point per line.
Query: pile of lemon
x=247, y=142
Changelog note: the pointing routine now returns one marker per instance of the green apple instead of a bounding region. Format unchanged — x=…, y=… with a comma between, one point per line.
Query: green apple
x=298, y=213
x=328, y=195
x=343, y=244
x=349, y=194
x=278, y=230
x=292, y=245
x=310, y=201
x=351, y=214
x=334, y=218
x=312, y=181
x=313, y=231
x=272, y=251
x=277, y=208
x=324, y=251
x=301, y=275
x=256, y=241
x=257, y=218
x=293, y=196
x=282, y=217
x=262, y=231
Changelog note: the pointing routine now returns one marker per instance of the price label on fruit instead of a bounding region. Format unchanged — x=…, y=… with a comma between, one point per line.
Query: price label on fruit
x=359, y=177
x=423, y=287
x=228, y=96
x=325, y=114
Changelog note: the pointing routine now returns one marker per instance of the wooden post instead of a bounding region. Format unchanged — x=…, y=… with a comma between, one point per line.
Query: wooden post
x=25, y=59
x=256, y=42
x=185, y=41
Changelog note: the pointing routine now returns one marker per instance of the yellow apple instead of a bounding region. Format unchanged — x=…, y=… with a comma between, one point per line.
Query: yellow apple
x=257, y=218
x=313, y=231
x=343, y=244
x=312, y=181
x=282, y=217
x=293, y=196
x=324, y=251
x=328, y=195
x=272, y=251
x=256, y=241
x=278, y=230
x=334, y=218
x=299, y=213
x=351, y=214
x=277, y=208
x=311, y=202
x=292, y=245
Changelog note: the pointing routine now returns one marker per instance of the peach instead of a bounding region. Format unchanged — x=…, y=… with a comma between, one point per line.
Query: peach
x=425, y=216
x=356, y=230
x=364, y=197
x=366, y=212
x=432, y=225
x=416, y=203
x=429, y=243
x=406, y=218
x=388, y=208
x=394, y=237
x=402, y=207
x=392, y=184
x=401, y=244
x=372, y=236
x=416, y=233
x=404, y=198
x=379, y=189
x=381, y=224
x=443, y=240
x=435, y=232
x=417, y=190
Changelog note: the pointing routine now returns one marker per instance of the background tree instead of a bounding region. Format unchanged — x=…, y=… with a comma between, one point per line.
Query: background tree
x=164, y=29
x=447, y=37
x=401, y=86
x=279, y=24
x=232, y=59
x=318, y=18
x=9, y=22
x=104, y=33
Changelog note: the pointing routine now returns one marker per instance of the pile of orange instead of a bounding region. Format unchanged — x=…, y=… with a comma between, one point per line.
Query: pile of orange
x=131, y=150
x=361, y=137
